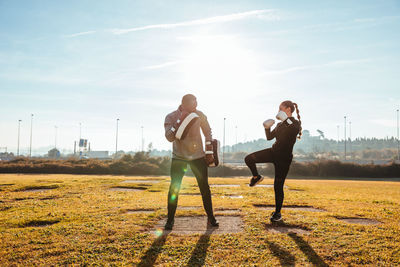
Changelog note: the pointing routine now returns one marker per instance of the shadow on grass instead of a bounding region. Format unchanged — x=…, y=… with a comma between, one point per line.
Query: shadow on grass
x=308, y=250
x=199, y=254
x=284, y=256
x=150, y=257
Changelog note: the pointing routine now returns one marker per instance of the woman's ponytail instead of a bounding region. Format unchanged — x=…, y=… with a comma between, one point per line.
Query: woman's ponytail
x=298, y=117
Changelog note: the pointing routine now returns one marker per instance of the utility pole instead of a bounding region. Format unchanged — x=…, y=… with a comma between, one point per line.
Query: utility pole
x=30, y=146
x=223, y=146
x=55, y=138
x=398, y=141
x=19, y=128
x=236, y=138
x=345, y=141
x=142, y=140
x=338, y=129
x=351, y=149
x=116, y=140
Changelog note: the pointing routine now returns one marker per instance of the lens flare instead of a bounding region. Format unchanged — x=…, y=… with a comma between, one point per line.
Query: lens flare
x=173, y=197
x=158, y=232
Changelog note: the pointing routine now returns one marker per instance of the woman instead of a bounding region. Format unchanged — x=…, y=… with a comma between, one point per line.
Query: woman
x=280, y=154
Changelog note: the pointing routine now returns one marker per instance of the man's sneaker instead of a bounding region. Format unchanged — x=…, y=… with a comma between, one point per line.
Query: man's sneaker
x=275, y=217
x=212, y=222
x=256, y=180
x=169, y=225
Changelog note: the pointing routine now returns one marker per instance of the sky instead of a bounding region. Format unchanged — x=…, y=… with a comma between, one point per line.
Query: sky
x=92, y=62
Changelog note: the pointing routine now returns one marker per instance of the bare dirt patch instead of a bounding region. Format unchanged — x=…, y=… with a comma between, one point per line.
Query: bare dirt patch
x=141, y=181
x=224, y=185
x=127, y=189
x=232, y=196
x=226, y=211
x=187, y=225
x=189, y=194
x=39, y=223
x=38, y=188
x=135, y=211
x=357, y=220
x=189, y=207
x=268, y=185
x=289, y=207
x=282, y=228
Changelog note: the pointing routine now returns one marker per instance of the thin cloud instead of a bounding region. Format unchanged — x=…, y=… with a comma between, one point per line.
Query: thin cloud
x=316, y=66
x=217, y=19
x=79, y=34
x=161, y=66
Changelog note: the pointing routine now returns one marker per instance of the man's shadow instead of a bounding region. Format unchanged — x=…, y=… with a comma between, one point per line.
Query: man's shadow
x=308, y=250
x=150, y=257
x=199, y=253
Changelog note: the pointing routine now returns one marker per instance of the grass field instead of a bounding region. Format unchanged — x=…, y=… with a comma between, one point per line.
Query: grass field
x=81, y=220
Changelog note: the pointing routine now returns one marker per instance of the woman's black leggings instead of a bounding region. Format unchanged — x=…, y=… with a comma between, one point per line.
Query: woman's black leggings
x=281, y=170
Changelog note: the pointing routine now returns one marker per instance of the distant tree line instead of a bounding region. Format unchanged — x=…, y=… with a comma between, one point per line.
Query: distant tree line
x=142, y=163
x=315, y=147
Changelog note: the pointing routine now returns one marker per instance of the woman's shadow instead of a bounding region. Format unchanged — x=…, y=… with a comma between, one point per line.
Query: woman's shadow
x=285, y=257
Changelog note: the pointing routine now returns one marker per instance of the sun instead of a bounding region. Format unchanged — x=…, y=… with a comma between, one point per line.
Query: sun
x=219, y=67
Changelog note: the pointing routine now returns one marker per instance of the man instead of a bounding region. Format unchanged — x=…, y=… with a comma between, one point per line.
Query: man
x=182, y=127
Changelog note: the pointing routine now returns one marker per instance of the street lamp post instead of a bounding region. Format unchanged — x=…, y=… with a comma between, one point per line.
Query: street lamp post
x=116, y=139
x=398, y=141
x=30, y=143
x=19, y=128
x=223, y=145
x=55, y=138
x=351, y=149
x=338, y=129
x=142, y=140
x=345, y=141
x=235, y=138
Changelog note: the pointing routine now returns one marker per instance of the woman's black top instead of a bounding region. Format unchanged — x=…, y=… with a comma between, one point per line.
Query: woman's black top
x=285, y=134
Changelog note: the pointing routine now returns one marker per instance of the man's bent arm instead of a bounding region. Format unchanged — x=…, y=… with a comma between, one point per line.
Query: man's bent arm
x=205, y=127
x=169, y=126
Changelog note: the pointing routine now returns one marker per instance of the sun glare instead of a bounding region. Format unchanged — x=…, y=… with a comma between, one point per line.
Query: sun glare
x=219, y=65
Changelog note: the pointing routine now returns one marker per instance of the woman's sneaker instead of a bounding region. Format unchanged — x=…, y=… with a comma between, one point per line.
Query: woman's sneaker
x=255, y=180
x=169, y=225
x=212, y=222
x=275, y=217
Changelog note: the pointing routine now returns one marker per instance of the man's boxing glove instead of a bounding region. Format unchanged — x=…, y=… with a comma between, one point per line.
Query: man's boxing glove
x=183, y=124
x=268, y=123
x=212, y=153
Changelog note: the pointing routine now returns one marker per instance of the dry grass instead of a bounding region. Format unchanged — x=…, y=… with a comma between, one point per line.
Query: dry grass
x=78, y=220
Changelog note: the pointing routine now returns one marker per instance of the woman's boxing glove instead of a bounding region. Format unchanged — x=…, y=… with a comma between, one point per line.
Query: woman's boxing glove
x=268, y=123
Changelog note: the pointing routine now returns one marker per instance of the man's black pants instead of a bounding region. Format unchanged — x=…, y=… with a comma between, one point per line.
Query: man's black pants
x=281, y=165
x=200, y=170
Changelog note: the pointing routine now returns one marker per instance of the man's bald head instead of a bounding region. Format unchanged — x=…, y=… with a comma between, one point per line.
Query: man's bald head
x=189, y=102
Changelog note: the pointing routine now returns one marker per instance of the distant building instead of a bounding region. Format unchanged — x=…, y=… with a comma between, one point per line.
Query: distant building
x=6, y=156
x=53, y=153
x=97, y=154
